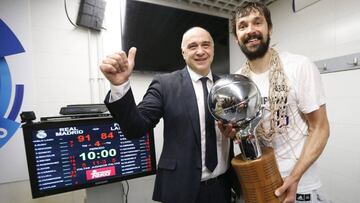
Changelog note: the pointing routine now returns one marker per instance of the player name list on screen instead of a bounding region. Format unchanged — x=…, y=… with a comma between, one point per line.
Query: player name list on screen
x=76, y=155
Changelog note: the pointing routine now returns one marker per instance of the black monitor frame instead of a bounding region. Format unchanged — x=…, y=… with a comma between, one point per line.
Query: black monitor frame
x=58, y=122
x=156, y=30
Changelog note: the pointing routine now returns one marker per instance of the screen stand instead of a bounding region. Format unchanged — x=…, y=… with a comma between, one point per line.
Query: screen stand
x=109, y=193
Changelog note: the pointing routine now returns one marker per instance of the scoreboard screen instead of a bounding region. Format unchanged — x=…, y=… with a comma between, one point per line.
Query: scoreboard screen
x=66, y=155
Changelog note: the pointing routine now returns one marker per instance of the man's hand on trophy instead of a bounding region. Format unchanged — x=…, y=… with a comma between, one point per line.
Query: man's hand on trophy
x=118, y=67
x=227, y=130
x=289, y=187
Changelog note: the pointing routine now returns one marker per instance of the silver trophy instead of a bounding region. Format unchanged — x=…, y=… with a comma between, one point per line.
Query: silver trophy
x=236, y=99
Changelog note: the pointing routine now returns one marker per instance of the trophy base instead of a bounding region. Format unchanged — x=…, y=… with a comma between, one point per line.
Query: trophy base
x=259, y=178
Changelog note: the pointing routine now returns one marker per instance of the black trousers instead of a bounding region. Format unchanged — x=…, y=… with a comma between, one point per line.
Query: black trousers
x=215, y=190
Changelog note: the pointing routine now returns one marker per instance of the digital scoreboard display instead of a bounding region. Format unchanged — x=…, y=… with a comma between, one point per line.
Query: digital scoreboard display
x=65, y=155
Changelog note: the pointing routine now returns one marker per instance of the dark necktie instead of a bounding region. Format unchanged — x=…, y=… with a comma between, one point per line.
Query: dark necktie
x=210, y=135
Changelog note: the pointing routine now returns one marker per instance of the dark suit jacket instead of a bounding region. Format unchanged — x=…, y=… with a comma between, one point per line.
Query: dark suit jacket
x=171, y=97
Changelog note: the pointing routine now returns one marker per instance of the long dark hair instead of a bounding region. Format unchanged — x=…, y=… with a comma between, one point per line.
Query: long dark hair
x=245, y=9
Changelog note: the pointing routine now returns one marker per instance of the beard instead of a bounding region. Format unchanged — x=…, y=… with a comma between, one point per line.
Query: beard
x=259, y=51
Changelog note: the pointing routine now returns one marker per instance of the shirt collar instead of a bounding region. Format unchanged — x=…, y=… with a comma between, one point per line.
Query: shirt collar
x=196, y=77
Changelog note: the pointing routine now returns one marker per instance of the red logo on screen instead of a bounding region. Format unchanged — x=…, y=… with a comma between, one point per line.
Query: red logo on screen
x=100, y=173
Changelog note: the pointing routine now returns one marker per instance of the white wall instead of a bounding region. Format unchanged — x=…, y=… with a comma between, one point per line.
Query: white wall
x=327, y=29
x=61, y=57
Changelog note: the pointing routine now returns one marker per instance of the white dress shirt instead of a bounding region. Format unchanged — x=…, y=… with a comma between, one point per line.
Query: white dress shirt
x=222, y=144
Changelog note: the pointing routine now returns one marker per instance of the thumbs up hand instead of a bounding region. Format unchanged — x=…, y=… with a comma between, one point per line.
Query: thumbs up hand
x=118, y=67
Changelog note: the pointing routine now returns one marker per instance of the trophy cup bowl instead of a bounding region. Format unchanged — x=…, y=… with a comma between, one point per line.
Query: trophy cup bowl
x=236, y=99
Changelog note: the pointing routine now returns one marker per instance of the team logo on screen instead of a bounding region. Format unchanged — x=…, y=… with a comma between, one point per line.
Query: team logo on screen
x=100, y=173
x=41, y=134
x=116, y=127
x=9, y=45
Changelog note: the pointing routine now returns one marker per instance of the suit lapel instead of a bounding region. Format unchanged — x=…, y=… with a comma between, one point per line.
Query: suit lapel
x=190, y=103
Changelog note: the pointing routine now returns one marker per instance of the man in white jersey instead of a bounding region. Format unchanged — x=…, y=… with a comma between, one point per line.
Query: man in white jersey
x=295, y=123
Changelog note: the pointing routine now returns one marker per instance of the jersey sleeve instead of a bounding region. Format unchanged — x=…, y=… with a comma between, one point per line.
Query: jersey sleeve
x=310, y=90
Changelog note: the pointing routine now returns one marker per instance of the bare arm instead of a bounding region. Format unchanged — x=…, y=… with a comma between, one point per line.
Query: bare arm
x=318, y=134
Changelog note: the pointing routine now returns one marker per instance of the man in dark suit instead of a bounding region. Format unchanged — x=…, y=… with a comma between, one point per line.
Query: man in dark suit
x=186, y=173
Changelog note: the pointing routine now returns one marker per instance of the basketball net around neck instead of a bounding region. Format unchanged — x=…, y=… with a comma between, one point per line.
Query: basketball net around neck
x=278, y=92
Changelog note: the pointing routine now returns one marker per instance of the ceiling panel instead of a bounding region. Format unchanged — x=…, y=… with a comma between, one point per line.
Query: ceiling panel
x=222, y=6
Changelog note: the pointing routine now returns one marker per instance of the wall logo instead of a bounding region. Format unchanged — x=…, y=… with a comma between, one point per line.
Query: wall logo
x=9, y=45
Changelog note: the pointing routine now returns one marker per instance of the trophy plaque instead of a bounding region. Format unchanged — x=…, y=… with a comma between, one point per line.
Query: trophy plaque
x=236, y=99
